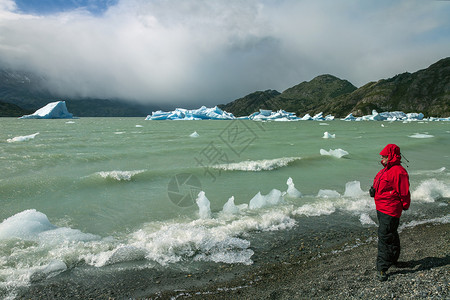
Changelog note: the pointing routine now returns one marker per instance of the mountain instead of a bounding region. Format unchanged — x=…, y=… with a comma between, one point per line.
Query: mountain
x=251, y=103
x=426, y=91
x=25, y=91
x=12, y=110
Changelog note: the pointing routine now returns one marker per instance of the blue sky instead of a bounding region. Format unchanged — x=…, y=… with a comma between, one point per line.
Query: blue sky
x=193, y=52
x=47, y=7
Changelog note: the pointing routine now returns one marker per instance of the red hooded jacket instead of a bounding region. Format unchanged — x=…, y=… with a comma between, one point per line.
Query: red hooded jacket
x=391, y=184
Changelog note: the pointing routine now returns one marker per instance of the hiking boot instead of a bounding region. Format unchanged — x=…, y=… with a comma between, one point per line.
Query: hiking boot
x=382, y=276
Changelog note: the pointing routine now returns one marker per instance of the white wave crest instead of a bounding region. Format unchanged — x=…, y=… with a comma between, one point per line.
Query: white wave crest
x=429, y=172
x=316, y=209
x=421, y=136
x=258, y=165
x=441, y=220
x=430, y=190
x=119, y=175
x=22, y=138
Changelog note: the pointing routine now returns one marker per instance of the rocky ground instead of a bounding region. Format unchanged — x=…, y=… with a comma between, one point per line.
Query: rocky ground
x=346, y=274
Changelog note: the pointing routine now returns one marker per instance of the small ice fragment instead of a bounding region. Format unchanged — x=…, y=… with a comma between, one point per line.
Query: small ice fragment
x=22, y=138
x=336, y=152
x=292, y=191
x=194, y=134
x=204, y=206
x=327, y=135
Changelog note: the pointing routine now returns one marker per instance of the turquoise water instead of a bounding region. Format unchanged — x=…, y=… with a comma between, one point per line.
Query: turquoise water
x=95, y=187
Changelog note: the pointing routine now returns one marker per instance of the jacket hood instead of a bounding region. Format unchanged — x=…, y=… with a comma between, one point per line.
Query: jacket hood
x=392, y=151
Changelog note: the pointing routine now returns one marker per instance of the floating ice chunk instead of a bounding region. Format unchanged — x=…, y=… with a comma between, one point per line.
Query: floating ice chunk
x=292, y=191
x=415, y=116
x=22, y=138
x=139, y=126
x=25, y=225
x=232, y=209
x=204, y=206
x=421, y=136
x=353, y=189
x=306, y=117
x=318, y=117
x=336, y=152
x=53, y=110
x=268, y=115
x=194, y=134
x=328, y=194
x=327, y=135
x=349, y=117
x=271, y=199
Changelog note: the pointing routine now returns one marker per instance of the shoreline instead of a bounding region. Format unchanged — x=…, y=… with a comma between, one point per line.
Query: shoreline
x=292, y=270
x=347, y=274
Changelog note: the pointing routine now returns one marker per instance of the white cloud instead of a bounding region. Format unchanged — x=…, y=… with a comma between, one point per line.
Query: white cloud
x=208, y=52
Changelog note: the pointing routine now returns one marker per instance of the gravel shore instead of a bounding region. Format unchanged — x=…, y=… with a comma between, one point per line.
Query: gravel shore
x=296, y=269
x=346, y=274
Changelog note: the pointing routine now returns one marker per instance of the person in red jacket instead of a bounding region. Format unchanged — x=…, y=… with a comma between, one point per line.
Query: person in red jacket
x=392, y=196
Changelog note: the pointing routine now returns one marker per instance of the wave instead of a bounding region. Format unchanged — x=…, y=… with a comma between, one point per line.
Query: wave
x=119, y=175
x=429, y=172
x=257, y=165
x=421, y=136
x=431, y=190
x=220, y=237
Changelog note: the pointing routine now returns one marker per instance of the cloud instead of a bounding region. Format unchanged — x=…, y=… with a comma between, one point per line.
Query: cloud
x=194, y=52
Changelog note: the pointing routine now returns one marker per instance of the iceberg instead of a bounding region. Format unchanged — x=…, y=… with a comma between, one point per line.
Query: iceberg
x=268, y=115
x=215, y=113
x=203, y=113
x=390, y=116
x=349, y=117
x=53, y=110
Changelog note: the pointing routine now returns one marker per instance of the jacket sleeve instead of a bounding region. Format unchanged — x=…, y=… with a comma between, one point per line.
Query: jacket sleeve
x=402, y=187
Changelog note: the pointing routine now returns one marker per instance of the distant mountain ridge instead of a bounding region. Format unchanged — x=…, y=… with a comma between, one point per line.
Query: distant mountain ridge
x=426, y=91
x=25, y=91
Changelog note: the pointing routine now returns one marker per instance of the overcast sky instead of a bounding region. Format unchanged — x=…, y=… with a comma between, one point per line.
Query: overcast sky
x=192, y=52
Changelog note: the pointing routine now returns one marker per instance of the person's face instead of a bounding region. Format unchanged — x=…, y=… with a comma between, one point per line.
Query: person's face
x=384, y=159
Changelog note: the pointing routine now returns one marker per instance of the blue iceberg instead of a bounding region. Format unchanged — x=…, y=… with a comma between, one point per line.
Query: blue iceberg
x=203, y=113
x=53, y=110
x=390, y=116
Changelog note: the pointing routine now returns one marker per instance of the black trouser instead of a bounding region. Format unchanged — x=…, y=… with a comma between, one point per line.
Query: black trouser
x=388, y=241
